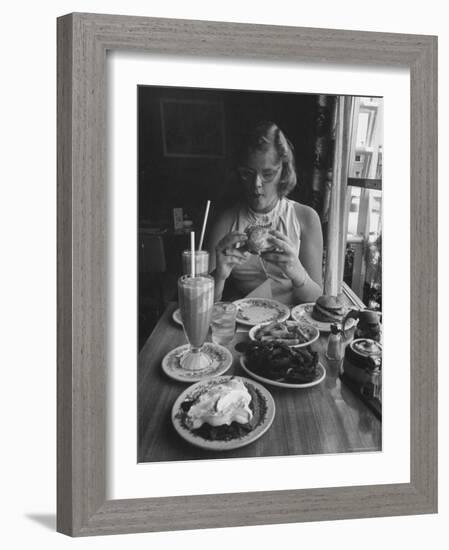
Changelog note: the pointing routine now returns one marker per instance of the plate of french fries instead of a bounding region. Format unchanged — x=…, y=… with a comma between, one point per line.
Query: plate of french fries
x=295, y=334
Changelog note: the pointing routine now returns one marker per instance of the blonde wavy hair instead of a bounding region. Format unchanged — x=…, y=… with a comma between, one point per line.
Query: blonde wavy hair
x=267, y=134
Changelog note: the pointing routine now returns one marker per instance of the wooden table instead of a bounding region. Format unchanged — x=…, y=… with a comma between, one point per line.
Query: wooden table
x=327, y=418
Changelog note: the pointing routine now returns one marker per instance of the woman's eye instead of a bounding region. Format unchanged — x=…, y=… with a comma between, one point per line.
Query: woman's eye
x=247, y=176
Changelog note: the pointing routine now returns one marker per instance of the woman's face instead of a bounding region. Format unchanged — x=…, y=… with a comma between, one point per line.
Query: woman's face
x=261, y=175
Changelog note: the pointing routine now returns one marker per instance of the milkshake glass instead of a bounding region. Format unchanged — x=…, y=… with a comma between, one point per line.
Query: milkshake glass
x=196, y=300
x=201, y=262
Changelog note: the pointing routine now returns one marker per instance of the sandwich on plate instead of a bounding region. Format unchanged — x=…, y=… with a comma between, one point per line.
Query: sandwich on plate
x=328, y=309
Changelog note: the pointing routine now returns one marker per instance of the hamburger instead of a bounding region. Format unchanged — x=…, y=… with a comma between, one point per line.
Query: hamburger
x=328, y=309
x=258, y=239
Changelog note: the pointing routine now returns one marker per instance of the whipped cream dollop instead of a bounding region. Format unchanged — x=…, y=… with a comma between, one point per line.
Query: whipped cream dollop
x=223, y=403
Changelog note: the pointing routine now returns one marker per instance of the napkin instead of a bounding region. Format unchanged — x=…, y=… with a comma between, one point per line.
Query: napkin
x=262, y=291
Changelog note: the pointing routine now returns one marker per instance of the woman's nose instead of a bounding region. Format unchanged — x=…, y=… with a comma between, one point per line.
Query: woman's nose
x=257, y=182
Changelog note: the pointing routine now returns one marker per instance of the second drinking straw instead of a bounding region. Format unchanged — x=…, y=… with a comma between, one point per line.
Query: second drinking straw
x=204, y=225
x=192, y=259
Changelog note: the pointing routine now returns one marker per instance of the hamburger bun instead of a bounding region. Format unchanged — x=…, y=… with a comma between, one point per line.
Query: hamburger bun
x=328, y=309
x=257, y=239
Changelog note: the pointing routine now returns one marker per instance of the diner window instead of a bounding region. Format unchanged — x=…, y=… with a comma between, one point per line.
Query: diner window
x=362, y=270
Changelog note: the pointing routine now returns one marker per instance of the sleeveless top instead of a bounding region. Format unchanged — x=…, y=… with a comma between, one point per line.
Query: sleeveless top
x=250, y=274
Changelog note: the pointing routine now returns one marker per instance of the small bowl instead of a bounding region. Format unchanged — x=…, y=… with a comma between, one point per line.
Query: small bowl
x=305, y=327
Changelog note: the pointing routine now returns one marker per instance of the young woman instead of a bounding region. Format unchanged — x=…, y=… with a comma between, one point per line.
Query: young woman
x=294, y=263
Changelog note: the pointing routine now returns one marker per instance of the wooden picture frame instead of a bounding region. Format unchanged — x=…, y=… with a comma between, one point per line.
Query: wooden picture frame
x=83, y=40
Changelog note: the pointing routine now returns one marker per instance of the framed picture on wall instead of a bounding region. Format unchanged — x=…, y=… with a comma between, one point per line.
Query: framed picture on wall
x=192, y=128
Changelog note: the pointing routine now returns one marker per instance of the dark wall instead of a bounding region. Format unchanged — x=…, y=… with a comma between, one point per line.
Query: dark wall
x=166, y=182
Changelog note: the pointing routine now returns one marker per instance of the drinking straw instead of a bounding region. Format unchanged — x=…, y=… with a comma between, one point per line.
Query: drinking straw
x=204, y=225
x=192, y=257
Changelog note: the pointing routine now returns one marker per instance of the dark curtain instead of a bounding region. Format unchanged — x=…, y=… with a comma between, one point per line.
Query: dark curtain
x=324, y=143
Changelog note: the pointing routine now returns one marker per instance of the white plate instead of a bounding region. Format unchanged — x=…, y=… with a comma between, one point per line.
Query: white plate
x=258, y=311
x=310, y=330
x=218, y=445
x=176, y=316
x=318, y=380
x=221, y=360
x=303, y=312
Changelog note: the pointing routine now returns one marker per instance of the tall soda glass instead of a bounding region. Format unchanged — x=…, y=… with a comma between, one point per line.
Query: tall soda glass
x=201, y=262
x=196, y=300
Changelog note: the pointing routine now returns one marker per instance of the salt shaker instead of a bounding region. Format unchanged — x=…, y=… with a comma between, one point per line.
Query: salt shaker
x=335, y=344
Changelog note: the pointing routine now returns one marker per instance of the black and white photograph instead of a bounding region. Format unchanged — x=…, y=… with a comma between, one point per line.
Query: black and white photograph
x=259, y=273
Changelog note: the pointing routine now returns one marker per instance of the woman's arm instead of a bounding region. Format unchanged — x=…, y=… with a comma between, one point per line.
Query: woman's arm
x=304, y=270
x=219, y=228
x=310, y=253
x=223, y=254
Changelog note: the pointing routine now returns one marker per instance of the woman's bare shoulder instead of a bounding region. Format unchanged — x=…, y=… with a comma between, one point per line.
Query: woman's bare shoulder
x=307, y=216
x=225, y=218
x=220, y=225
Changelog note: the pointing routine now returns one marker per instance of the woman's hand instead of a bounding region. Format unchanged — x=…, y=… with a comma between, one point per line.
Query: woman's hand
x=228, y=255
x=285, y=256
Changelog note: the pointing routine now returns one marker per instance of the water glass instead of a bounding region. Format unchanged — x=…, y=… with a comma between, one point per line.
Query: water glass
x=223, y=322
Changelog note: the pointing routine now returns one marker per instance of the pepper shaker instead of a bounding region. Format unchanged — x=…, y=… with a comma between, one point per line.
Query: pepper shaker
x=335, y=345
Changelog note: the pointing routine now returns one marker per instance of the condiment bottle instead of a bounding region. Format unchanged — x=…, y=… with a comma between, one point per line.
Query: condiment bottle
x=334, y=344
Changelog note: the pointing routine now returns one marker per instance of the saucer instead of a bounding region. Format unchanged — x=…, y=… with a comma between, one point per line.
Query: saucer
x=220, y=361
